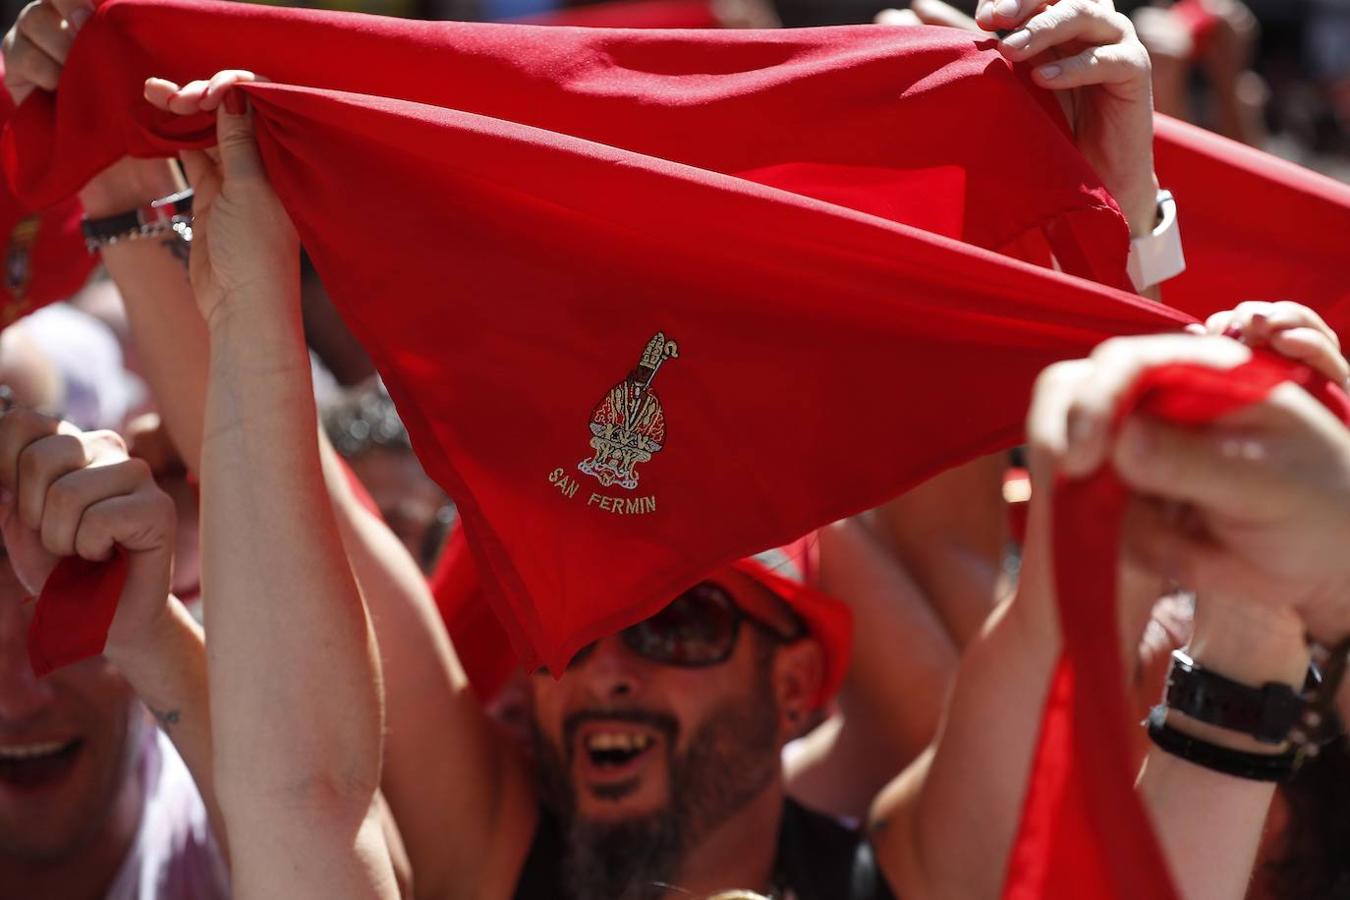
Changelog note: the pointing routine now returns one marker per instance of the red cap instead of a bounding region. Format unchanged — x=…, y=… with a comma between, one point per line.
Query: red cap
x=485, y=651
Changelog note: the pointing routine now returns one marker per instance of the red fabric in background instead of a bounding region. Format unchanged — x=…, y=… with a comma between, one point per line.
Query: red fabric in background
x=483, y=647
x=1254, y=227
x=1084, y=832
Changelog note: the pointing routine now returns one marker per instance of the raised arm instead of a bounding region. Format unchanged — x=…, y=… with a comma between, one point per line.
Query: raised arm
x=443, y=763
x=1275, y=521
x=294, y=676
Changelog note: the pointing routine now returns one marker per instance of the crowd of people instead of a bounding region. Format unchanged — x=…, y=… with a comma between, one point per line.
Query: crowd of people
x=294, y=698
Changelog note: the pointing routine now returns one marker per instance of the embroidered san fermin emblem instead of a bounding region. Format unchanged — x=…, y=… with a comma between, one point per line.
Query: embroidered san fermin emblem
x=628, y=426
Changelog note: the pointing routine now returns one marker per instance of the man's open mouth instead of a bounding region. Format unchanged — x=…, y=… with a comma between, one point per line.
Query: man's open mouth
x=613, y=749
x=39, y=764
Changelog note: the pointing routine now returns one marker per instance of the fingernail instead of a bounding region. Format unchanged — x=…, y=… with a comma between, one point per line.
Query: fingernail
x=1018, y=40
x=1006, y=8
x=236, y=104
x=1234, y=332
x=1050, y=71
x=77, y=19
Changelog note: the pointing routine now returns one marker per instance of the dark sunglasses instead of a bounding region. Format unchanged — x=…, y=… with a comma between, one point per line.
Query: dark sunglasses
x=699, y=628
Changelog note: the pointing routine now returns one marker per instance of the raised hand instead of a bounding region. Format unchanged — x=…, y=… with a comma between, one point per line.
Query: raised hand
x=1290, y=329
x=242, y=236
x=1087, y=48
x=1254, y=507
x=74, y=493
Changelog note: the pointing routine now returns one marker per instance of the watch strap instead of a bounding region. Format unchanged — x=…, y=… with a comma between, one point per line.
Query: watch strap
x=1268, y=713
x=1239, y=764
x=172, y=213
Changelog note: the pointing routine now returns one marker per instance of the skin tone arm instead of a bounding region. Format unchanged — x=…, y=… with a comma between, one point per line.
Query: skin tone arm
x=1276, y=528
x=294, y=674
x=78, y=493
x=432, y=718
x=436, y=731
x=902, y=666
x=948, y=535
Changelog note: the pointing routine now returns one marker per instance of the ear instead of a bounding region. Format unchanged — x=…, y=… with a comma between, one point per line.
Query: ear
x=798, y=672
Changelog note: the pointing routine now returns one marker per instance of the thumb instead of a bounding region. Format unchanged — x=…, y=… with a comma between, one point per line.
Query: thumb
x=234, y=135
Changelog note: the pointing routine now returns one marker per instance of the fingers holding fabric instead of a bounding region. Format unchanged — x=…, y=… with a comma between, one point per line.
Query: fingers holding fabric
x=1288, y=328
x=1007, y=15
x=1058, y=25
x=42, y=26
x=1110, y=65
x=236, y=147
x=1115, y=366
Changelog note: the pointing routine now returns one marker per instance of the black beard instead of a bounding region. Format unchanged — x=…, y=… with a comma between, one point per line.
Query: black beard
x=731, y=758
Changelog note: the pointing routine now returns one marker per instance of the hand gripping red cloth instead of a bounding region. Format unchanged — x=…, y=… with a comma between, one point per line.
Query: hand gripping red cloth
x=1084, y=833
x=627, y=361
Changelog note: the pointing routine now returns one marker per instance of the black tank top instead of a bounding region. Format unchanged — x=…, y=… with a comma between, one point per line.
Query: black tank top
x=818, y=859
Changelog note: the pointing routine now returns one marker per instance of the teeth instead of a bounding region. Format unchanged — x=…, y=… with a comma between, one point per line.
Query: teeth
x=31, y=751
x=618, y=740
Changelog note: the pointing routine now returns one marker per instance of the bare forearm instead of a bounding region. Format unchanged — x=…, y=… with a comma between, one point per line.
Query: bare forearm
x=1210, y=824
x=168, y=673
x=152, y=277
x=436, y=729
x=292, y=660
x=902, y=666
x=948, y=823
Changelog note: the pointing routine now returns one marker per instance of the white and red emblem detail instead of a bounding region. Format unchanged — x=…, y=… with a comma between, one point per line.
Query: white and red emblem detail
x=629, y=425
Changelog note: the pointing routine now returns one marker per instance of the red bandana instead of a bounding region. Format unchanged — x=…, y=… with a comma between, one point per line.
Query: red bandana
x=598, y=333
x=649, y=301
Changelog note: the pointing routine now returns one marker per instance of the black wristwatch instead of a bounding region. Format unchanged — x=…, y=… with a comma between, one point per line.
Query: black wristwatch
x=172, y=213
x=1252, y=766
x=1268, y=713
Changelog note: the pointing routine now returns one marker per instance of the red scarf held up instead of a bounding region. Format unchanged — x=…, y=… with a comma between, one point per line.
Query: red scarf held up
x=509, y=279
x=1084, y=832
x=591, y=244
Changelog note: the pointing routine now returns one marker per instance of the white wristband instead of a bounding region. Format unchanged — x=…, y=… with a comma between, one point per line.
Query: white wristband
x=1156, y=257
